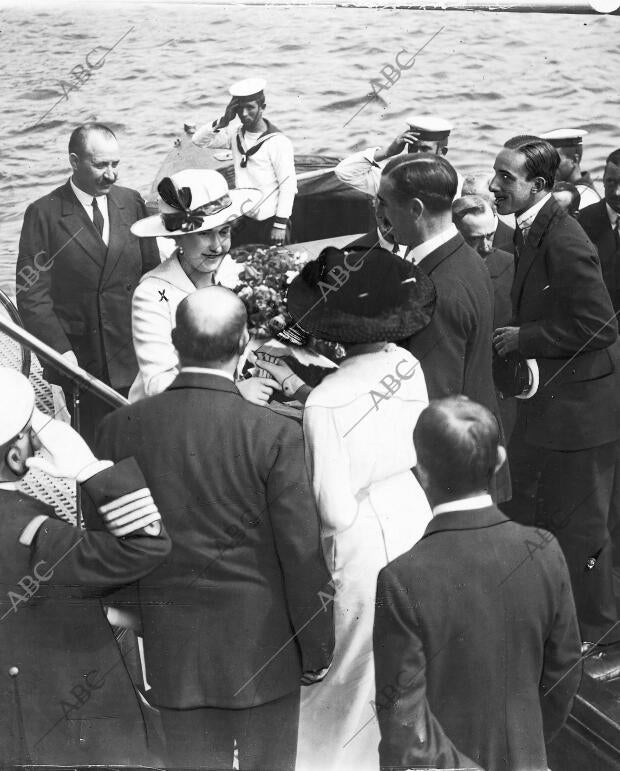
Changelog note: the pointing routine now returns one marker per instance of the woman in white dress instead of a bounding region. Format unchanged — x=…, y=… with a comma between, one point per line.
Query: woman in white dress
x=196, y=209
x=358, y=426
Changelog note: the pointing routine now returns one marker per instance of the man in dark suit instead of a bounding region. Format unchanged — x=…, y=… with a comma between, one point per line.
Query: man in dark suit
x=240, y=615
x=66, y=697
x=78, y=265
x=476, y=641
x=564, y=448
x=415, y=201
x=601, y=221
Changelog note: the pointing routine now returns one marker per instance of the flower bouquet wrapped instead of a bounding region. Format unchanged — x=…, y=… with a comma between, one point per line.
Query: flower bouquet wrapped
x=264, y=275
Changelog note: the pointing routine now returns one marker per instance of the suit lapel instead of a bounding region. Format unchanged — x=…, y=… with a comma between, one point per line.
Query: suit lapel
x=79, y=227
x=436, y=257
x=119, y=233
x=528, y=253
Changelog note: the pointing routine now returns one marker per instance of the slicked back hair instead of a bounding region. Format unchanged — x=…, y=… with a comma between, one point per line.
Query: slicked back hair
x=456, y=441
x=470, y=204
x=541, y=157
x=426, y=176
x=614, y=158
x=79, y=136
x=206, y=347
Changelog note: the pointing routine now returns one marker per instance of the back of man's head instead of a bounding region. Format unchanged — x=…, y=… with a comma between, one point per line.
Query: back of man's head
x=456, y=442
x=478, y=184
x=211, y=328
x=541, y=158
x=475, y=205
x=425, y=176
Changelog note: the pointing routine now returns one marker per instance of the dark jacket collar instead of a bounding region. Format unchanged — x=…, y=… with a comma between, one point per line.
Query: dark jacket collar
x=436, y=257
x=203, y=380
x=472, y=519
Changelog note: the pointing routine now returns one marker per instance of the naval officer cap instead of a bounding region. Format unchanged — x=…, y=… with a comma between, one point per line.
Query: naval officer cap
x=17, y=401
x=250, y=89
x=429, y=127
x=565, y=137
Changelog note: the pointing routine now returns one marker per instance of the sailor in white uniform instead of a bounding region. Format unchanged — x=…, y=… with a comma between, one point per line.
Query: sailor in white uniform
x=426, y=134
x=263, y=158
x=569, y=144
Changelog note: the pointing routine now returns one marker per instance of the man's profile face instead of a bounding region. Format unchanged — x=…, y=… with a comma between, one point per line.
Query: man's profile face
x=479, y=230
x=95, y=170
x=513, y=192
x=393, y=216
x=611, y=182
x=250, y=114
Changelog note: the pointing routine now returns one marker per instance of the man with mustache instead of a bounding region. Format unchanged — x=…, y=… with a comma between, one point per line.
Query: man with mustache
x=78, y=265
x=263, y=158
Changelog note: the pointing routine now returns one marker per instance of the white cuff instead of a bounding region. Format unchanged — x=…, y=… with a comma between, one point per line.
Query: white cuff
x=32, y=528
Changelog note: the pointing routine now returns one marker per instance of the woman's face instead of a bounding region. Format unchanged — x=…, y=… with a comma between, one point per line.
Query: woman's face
x=203, y=252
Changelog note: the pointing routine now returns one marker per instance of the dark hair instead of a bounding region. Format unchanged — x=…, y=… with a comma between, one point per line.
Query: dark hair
x=614, y=158
x=207, y=347
x=79, y=136
x=426, y=176
x=456, y=441
x=469, y=204
x=569, y=188
x=541, y=158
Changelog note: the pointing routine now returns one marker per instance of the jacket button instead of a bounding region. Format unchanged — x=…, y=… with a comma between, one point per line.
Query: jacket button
x=129, y=287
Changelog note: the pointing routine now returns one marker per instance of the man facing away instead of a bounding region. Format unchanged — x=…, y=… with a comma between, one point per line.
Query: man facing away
x=564, y=448
x=415, y=200
x=66, y=697
x=263, y=158
x=241, y=613
x=476, y=641
x=78, y=265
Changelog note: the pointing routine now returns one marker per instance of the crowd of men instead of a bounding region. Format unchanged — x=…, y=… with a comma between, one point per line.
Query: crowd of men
x=476, y=667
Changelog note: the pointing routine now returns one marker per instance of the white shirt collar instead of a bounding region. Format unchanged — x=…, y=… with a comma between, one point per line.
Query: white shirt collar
x=87, y=200
x=525, y=220
x=613, y=215
x=385, y=244
x=419, y=252
x=464, y=504
x=208, y=371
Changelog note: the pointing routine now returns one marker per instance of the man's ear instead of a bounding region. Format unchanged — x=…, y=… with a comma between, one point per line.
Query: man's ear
x=73, y=160
x=501, y=458
x=416, y=208
x=15, y=461
x=538, y=185
x=244, y=340
x=421, y=474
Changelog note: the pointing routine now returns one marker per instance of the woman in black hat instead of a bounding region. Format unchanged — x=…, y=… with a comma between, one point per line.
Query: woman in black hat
x=358, y=426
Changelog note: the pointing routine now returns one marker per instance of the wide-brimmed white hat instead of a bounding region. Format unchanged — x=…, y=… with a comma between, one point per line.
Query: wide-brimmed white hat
x=16, y=403
x=195, y=200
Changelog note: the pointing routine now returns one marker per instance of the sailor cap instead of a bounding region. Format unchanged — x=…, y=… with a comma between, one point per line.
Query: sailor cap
x=430, y=127
x=249, y=89
x=17, y=401
x=564, y=137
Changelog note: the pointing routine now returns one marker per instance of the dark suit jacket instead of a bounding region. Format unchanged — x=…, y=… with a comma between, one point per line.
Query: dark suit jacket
x=594, y=220
x=73, y=292
x=501, y=269
x=455, y=348
x=503, y=238
x=76, y=699
x=242, y=606
x=567, y=324
x=475, y=645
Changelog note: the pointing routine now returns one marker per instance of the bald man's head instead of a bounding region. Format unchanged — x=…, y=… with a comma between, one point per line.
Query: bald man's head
x=456, y=441
x=211, y=328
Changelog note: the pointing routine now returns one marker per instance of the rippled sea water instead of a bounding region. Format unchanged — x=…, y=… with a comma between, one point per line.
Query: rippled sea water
x=492, y=74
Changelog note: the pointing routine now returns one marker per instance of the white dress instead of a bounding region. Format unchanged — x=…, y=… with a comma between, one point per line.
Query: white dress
x=358, y=426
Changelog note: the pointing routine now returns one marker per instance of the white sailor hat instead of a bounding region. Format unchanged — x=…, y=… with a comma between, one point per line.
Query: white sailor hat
x=564, y=137
x=250, y=89
x=16, y=403
x=429, y=127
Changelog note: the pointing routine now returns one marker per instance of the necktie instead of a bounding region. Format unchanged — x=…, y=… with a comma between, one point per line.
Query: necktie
x=518, y=241
x=97, y=217
x=395, y=247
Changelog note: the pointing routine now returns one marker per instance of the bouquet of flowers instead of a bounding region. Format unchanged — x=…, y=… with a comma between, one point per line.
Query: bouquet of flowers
x=263, y=279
